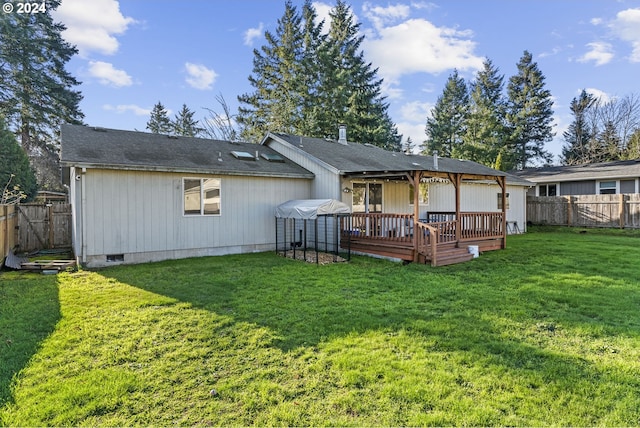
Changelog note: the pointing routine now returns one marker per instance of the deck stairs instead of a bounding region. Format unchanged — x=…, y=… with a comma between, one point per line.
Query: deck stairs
x=449, y=256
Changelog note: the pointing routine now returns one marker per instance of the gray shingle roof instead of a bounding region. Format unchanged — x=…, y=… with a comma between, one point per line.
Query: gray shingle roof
x=594, y=171
x=116, y=149
x=358, y=158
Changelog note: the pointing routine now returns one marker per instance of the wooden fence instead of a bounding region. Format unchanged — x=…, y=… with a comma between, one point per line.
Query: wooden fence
x=8, y=229
x=43, y=226
x=617, y=211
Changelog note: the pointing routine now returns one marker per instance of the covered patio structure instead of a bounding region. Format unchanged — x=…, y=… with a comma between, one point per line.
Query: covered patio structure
x=438, y=238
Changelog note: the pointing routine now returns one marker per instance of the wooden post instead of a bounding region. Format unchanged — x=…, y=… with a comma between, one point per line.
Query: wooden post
x=417, y=176
x=569, y=210
x=503, y=185
x=457, y=184
x=621, y=210
x=51, y=226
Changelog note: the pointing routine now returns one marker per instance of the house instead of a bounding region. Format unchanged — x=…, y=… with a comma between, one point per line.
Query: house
x=590, y=179
x=141, y=197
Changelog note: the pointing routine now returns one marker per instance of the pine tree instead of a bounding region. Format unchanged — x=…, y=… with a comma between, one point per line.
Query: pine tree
x=184, y=124
x=350, y=91
x=447, y=125
x=15, y=171
x=159, y=122
x=529, y=114
x=486, y=134
x=36, y=91
x=277, y=77
x=579, y=134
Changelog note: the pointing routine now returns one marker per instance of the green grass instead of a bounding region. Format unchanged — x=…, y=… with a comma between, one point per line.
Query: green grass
x=546, y=332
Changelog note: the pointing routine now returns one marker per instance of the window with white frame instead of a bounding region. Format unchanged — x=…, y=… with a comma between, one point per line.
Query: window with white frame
x=607, y=187
x=548, y=190
x=201, y=196
x=506, y=198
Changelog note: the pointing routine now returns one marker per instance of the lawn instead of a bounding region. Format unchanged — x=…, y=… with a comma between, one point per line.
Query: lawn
x=546, y=332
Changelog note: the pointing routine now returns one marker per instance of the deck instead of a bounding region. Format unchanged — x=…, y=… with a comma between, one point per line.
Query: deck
x=440, y=242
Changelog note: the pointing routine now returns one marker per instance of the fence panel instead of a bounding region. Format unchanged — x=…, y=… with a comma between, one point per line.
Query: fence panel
x=617, y=211
x=8, y=224
x=44, y=226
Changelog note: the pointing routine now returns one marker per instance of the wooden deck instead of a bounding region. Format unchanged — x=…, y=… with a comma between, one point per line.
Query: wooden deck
x=438, y=243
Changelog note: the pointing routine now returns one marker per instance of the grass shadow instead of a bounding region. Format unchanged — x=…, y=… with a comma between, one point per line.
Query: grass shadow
x=29, y=312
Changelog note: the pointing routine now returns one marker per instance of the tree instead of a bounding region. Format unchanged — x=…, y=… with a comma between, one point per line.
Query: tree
x=579, y=134
x=184, y=124
x=159, y=122
x=220, y=126
x=447, y=125
x=309, y=83
x=36, y=91
x=486, y=134
x=277, y=77
x=16, y=175
x=529, y=115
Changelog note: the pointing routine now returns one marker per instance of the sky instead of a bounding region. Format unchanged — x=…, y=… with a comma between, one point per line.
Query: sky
x=135, y=53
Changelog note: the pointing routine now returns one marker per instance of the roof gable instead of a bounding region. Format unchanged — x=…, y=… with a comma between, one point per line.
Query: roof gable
x=116, y=149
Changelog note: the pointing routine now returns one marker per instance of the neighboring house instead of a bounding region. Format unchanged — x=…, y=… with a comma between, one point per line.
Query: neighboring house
x=590, y=179
x=141, y=197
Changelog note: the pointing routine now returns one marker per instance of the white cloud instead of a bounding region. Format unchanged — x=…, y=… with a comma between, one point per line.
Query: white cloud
x=381, y=16
x=598, y=94
x=91, y=25
x=416, y=111
x=199, y=76
x=600, y=52
x=107, y=75
x=123, y=108
x=253, y=33
x=626, y=26
x=416, y=45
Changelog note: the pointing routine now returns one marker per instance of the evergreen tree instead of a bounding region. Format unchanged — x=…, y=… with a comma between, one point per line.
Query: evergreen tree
x=529, y=114
x=159, y=122
x=184, y=124
x=486, y=134
x=16, y=175
x=349, y=89
x=632, y=150
x=579, y=134
x=36, y=91
x=308, y=83
x=277, y=79
x=446, y=127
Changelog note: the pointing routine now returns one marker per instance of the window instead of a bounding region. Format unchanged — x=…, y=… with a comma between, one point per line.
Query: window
x=367, y=197
x=201, y=196
x=423, y=194
x=548, y=190
x=607, y=188
x=500, y=200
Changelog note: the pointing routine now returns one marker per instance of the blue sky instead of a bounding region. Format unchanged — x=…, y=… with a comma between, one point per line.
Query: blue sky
x=134, y=53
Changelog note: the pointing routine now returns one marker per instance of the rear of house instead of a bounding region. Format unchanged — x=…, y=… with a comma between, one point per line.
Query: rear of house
x=141, y=197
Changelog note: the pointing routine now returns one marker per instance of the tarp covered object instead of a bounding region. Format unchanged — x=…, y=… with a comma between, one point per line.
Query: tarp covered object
x=310, y=209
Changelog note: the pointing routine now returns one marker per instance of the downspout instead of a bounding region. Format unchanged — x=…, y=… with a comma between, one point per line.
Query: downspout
x=83, y=213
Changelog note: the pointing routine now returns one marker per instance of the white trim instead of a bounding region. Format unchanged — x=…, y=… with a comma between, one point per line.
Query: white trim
x=617, y=188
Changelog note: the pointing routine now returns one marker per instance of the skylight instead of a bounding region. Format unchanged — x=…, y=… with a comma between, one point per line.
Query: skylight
x=272, y=157
x=243, y=155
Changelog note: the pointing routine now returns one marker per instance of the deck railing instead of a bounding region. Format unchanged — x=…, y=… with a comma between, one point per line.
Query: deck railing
x=402, y=229
x=381, y=226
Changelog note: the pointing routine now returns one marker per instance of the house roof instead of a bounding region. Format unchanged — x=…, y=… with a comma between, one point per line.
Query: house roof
x=115, y=149
x=594, y=171
x=355, y=158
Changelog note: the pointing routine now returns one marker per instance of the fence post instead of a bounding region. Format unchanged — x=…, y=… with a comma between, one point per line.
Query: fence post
x=621, y=209
x=569, y=209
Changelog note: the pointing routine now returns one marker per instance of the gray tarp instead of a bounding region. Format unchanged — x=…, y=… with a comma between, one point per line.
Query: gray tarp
x=310, y=209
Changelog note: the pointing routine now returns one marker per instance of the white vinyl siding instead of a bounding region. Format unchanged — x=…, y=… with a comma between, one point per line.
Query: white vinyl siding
x=130, y=212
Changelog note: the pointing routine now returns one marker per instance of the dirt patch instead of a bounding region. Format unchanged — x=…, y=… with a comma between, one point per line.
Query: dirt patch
x=323, y=258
